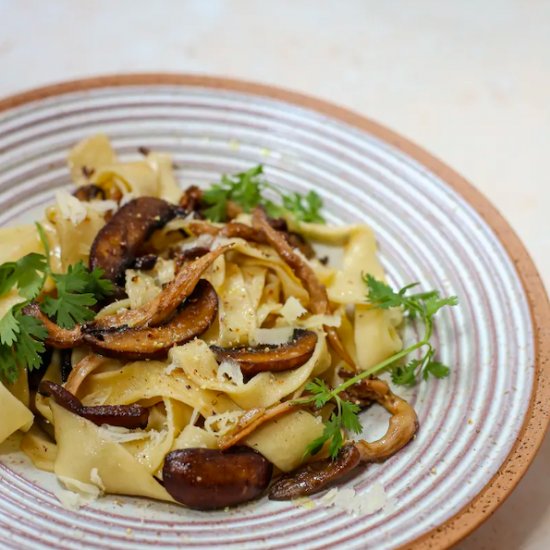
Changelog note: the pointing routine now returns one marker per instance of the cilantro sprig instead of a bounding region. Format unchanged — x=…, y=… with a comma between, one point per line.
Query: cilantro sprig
x=247, y=190
x=422, y=306
x=22, y=336
x=77, y=291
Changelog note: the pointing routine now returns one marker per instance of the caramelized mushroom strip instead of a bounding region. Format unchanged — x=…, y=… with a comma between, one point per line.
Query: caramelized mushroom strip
x=191, y=198
x=60, y=338
x=251, y=420
x=317, y=292
x=194, y=317
x=208, y=479
x=248, y=233
x=117, y=243
x=315, y=476
x=126, y=416
x=364, y=392
x=263, y=358
x=160, y=308
x=82, y=370
x=403, y=425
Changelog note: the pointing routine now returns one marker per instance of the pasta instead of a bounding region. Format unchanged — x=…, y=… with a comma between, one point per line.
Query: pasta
x=117, y=419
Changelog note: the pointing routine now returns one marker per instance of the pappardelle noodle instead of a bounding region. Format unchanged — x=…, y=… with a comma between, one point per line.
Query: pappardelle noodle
x=195, y=346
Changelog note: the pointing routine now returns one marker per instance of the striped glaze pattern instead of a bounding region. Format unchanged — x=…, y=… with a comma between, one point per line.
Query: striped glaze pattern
x=426, y=232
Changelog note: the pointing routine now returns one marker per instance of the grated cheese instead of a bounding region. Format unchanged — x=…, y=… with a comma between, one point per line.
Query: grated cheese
x=70, y=207
x=292, y=310
x=220, y=424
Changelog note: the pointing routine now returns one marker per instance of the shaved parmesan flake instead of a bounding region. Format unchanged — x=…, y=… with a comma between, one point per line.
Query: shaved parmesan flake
x=96, y=479
x=101, y=207
x=292, y=310
x=349, y=501
x=70, y=207
x=77, y=493
x=231, y=370
x=271, y=336
x=220, y=424
x=304, y=502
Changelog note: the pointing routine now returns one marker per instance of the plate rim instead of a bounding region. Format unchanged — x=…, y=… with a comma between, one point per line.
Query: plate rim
x=537, y=416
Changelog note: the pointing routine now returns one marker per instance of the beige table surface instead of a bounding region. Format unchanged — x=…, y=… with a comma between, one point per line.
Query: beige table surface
x=468, y=80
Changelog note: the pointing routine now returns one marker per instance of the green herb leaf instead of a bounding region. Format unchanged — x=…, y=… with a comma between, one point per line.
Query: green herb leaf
x=9, y=329
x=247, y=190
x=27, y=274
x=436, y=369
x=405, y=375
x=69, y=309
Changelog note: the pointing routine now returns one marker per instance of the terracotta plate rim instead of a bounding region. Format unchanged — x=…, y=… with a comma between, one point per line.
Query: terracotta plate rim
x=537, y=416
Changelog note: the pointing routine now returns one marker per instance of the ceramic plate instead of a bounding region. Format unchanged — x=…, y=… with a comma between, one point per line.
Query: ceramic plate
x=479, y=428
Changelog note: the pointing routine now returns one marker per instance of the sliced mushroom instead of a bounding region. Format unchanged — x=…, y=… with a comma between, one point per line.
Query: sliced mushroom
x=207, y=479
x=315, y=476
x=263, y=358
x=364, y=392
x=195, y=316
x=402, y=427
x=60, y=338
x=160, y=308
x=251, y=420
x=191, y=199
x=117, y=243
x=145, y=262
x=317, y=292
x=126, y=416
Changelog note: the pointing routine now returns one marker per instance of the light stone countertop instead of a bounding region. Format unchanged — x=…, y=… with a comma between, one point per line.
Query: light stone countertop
x=469, y=81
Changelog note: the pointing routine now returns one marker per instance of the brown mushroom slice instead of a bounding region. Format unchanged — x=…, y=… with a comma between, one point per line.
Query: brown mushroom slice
x=160, y=308
x=195, y=316
x=125, y=416
x=315, y=476
x=208, y=479
x=264, y=358
x=251, y=420
x=364, y=392
x=402, y=427
x=117, y=243
x=317, y=292
x=60, y=338
x=191, y=199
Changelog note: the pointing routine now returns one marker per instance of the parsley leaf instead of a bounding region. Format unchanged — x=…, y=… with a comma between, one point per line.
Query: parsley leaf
x=247, y=190
x=344, y=418
x=24, y=274
x=77, y=290
x=24, y=352
x=9, y=328
x=69, y=309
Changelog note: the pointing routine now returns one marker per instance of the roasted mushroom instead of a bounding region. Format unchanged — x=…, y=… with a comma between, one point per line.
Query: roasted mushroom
x=315, y=476
x=207, y=479
x=194, y=317
x=126, y=416
x=262, y=358
x=191, y=199
x=117, y=243
x=60, y=338
x=317, y=292
x=160, y=308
